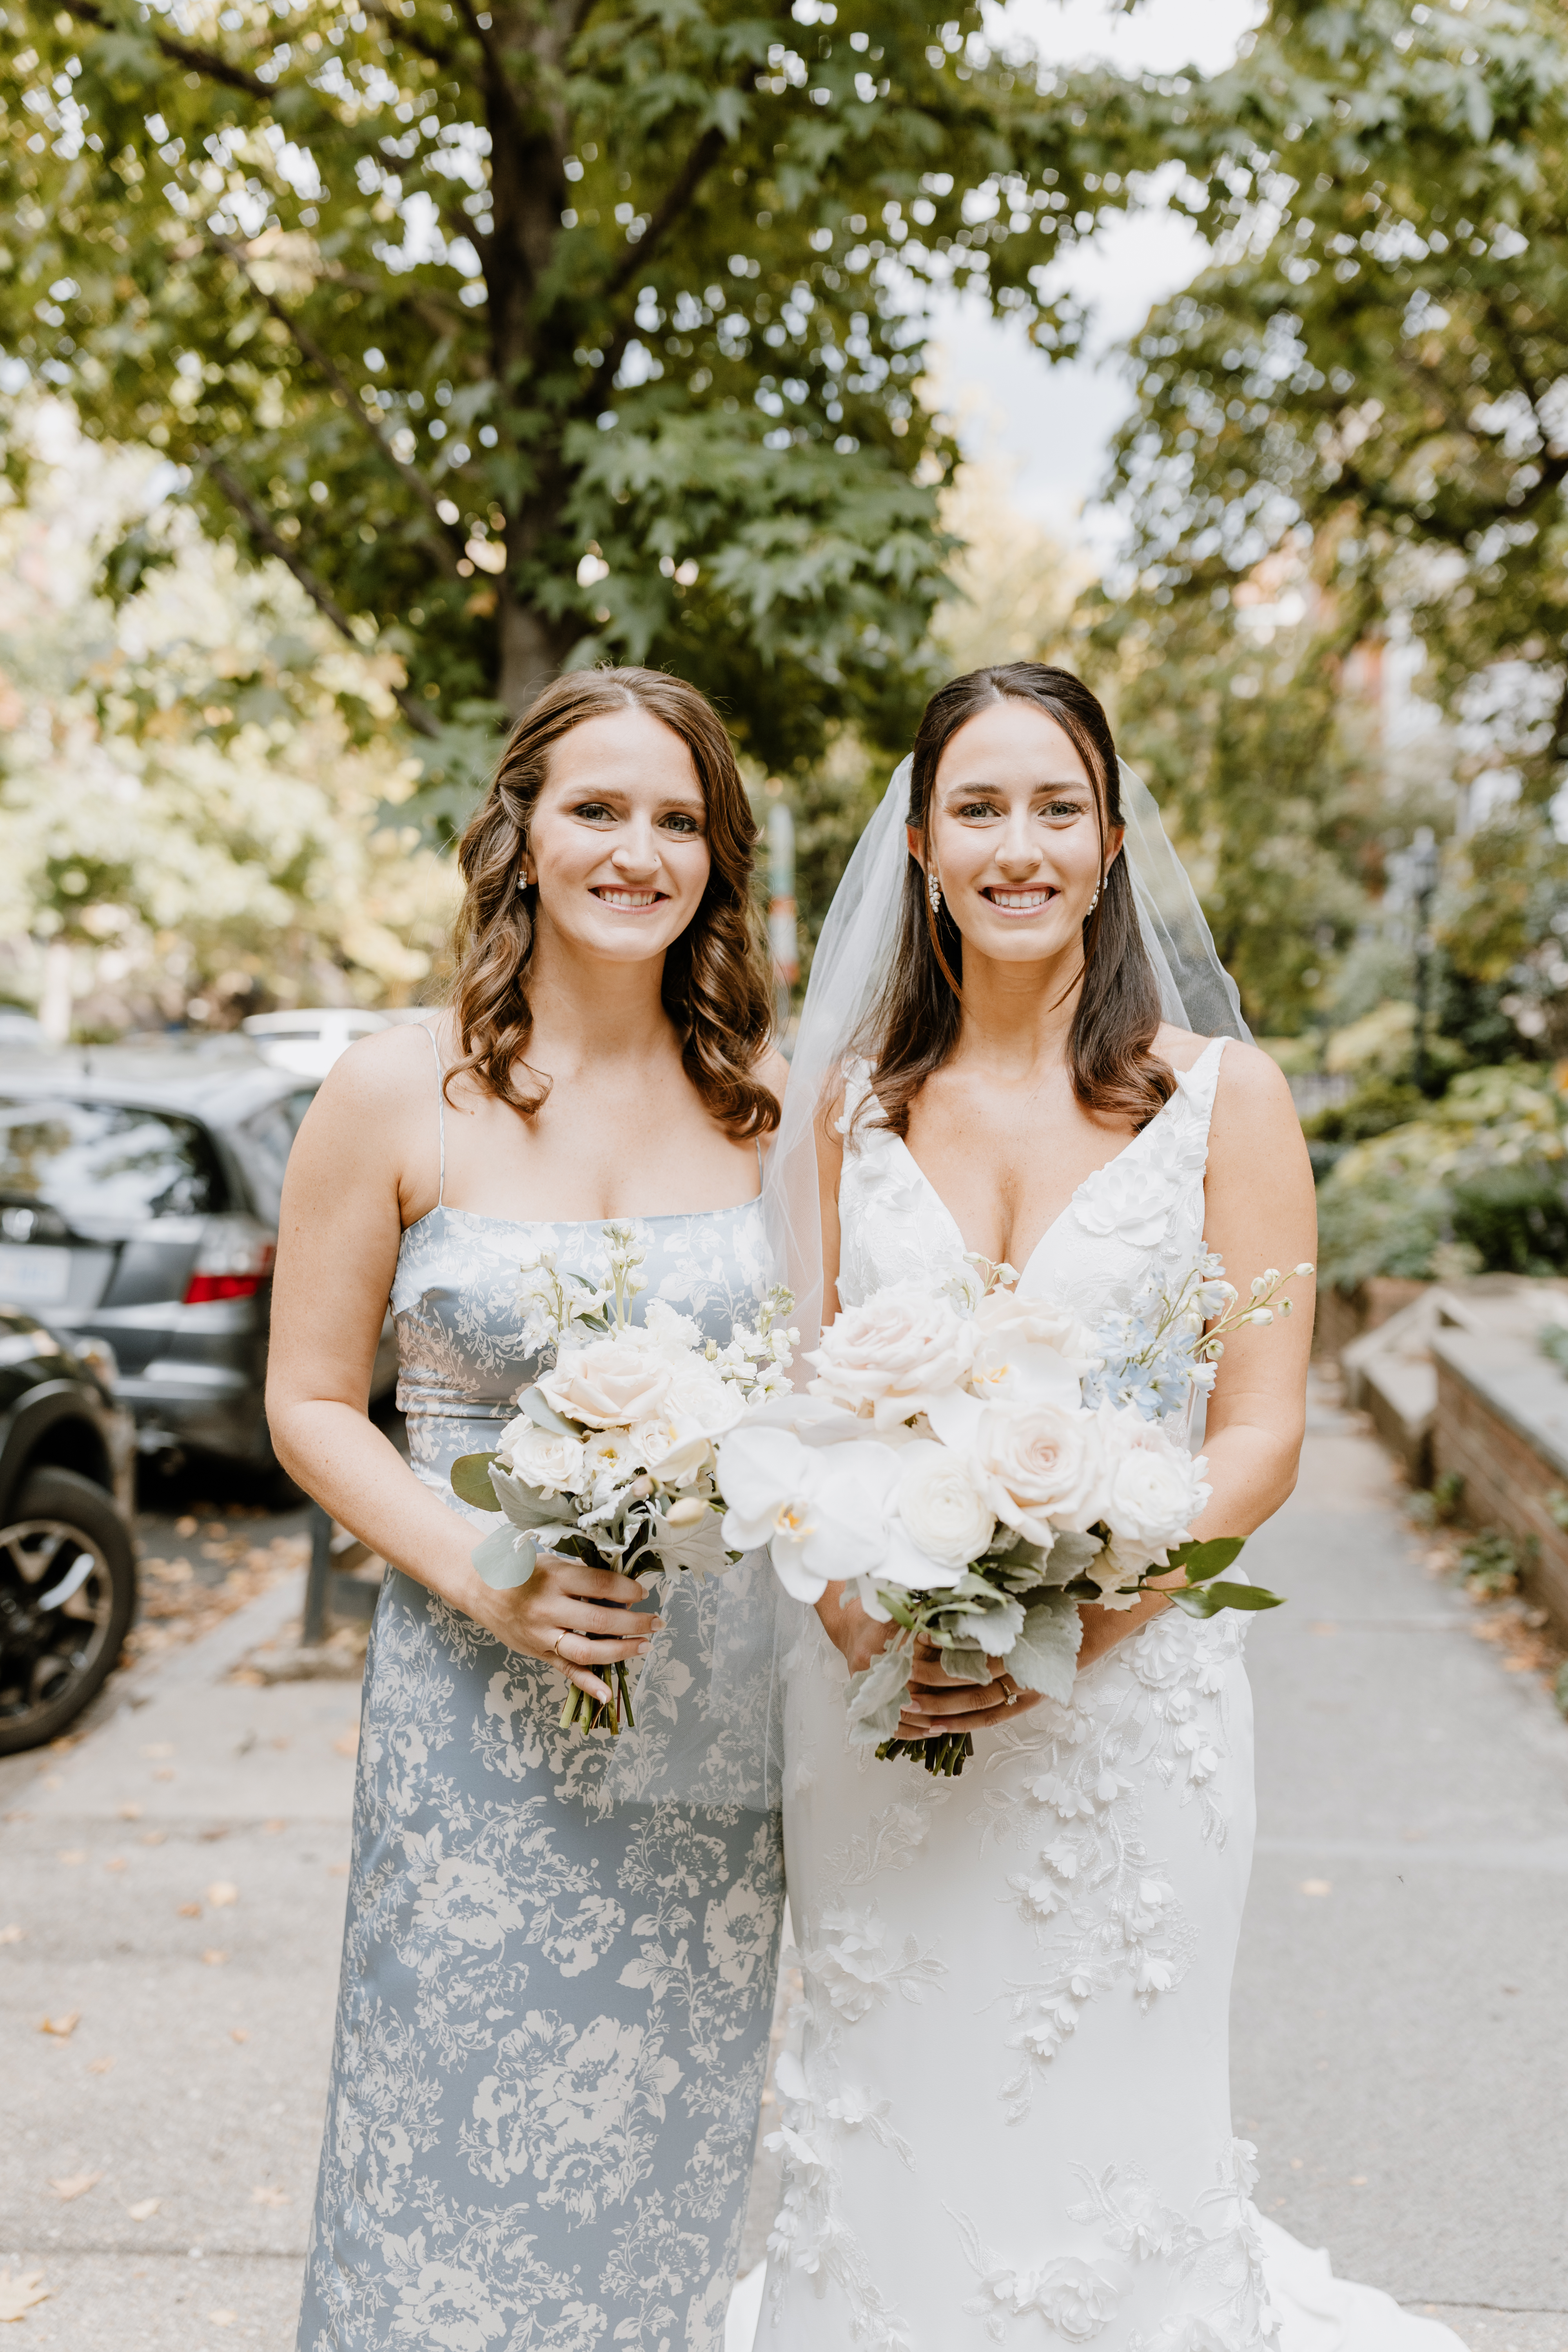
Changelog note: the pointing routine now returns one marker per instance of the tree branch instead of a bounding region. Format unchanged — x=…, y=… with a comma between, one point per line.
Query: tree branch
x=400, y=31
x=265, y=536
x=698, y=164
x=447, y=539
x=181, y=53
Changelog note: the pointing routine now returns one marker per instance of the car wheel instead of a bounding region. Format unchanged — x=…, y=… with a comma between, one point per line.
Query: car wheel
x=67, y=1587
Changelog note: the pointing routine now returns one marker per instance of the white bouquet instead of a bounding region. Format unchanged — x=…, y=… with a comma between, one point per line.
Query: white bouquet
x=976, y=1463
x=611, y=1453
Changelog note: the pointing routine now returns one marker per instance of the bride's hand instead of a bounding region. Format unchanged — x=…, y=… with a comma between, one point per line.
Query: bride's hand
x=938, y=1702
x=570, y=1613
x=856, y=1637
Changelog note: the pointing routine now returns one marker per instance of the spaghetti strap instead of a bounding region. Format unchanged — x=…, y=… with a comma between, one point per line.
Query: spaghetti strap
x=440, y=1115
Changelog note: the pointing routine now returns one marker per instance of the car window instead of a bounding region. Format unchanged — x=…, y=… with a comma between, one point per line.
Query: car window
x=105, y=1166
x=263, y=1142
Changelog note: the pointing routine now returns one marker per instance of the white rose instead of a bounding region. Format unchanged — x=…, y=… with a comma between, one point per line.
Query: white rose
x=1046, y=1462
x=1156, y=1489
x=674, y=1457
x=1031, y=1347
x=890, y=1357
x=942, y=1504
x=610, y=1383
x=701, y=1399
x=541, y=1457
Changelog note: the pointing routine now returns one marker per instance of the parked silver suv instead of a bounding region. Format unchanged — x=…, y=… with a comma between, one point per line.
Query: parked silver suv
x=139, y=1199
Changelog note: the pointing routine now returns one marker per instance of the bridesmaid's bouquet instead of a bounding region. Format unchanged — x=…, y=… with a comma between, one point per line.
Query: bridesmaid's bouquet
x=976, y=1463
x=611, y=1453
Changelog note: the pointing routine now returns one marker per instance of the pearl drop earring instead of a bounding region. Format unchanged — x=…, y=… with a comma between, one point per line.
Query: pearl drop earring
x=934, y=889
x=1095, y=900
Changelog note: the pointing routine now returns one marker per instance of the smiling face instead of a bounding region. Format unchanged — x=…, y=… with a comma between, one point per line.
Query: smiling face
x=617, y=840
x=1014, y=834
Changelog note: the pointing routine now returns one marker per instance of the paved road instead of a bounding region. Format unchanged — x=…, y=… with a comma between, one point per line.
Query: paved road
x=1399, y=2054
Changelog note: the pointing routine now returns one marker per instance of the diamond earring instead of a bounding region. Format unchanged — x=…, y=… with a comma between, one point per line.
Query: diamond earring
x=934, y=889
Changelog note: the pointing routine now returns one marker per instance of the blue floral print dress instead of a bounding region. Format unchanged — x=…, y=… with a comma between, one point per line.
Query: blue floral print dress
x=560, y=1953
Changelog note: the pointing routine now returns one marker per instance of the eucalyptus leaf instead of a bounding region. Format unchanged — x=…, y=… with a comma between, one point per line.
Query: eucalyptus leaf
x=504, y=1560
x=877, y=1696
x=1208, y=1600
x=965, y=1664
x=1045, y=1655
x=1071, y=1551
x=471, y=1482
x=544, y=1416
x=1201, y=1560
x=526, y=1507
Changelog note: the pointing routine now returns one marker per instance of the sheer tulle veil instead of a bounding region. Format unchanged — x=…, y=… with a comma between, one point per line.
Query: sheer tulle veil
x=852, y=958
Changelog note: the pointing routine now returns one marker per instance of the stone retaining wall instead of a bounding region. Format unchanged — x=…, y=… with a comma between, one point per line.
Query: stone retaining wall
x=1502, y=1427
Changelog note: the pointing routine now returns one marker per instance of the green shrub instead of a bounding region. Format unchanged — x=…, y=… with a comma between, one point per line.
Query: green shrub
x=1478, y=1184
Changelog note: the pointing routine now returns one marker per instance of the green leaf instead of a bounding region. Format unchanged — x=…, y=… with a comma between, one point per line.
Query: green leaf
x=504, y=1560
x=1208, y=1600
x=544, y=1416
x=1203, y=1560
x=965, y=1664
x=470, y=1477
x=1045, y=1655
x=877, y=1696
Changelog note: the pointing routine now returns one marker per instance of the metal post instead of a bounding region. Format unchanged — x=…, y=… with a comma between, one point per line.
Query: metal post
x=313, y=1632
x=1422, y=870
x=783, y=936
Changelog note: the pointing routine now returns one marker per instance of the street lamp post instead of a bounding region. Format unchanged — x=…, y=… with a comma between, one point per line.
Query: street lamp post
x=1421, y=869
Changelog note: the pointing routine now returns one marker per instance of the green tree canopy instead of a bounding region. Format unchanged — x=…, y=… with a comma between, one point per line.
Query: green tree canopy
x=551, y=331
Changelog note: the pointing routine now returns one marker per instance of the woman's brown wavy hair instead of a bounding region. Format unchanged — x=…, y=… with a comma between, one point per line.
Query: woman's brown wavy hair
x=913, y=1028
x=716, y=982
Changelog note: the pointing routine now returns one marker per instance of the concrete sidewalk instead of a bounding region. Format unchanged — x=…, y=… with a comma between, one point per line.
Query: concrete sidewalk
x=1399, y=2017
x=1400, y=2022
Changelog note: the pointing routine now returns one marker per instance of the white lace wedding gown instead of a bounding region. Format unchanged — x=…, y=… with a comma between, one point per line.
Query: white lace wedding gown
x=1008, y=2119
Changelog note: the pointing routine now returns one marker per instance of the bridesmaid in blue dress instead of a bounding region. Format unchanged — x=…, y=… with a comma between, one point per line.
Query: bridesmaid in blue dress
x=560, y=1952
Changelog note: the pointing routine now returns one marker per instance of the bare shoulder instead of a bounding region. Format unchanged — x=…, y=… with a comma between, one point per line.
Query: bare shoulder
x=1252, y=1087
x=1179, y=1048
x=771, y=1070
x=381, y=1078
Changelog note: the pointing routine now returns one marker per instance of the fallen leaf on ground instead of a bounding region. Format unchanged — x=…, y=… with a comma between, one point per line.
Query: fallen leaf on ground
x=248, y=1678
x=12, y=1934
x=154, y=1837
x=269, y=2197
x=347, y=1742
x=116, y=1861
x=52, y=1781
x=215, y=1958
x=73, y=1854
x=18, y=2295
x=159, y=1747
x=130, y=1812
x=223, y=2318
x=188, y=1911
x=145, y=2210
x=239, y=2032
x=101, y=2065
x=75, y=2184
x=64, y=2025
x=222, y=1891
x=162, y=1773
x=336, y=1870
x=1317, y=1886
x=185, y=1527
x=273, y=1828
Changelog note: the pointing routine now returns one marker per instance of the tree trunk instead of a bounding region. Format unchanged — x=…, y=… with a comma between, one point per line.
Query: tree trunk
x=532, y=651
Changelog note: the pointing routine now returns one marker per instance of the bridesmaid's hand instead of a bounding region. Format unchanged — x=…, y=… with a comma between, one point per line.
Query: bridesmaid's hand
x=856, y=1637
x=938, y=1702
x=570, y=1614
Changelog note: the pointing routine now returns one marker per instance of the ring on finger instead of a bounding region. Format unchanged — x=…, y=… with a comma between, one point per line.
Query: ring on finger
x=555, y=1649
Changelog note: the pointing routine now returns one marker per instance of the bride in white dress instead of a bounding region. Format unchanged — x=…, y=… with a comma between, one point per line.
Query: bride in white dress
x=1006, y=2120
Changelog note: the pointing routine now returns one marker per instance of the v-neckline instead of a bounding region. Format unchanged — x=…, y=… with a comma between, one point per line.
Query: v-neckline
x=1092, y=1178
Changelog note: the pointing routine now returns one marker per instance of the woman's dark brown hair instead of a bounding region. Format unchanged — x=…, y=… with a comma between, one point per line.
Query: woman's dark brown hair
x=913, y=1028
x=716, y=988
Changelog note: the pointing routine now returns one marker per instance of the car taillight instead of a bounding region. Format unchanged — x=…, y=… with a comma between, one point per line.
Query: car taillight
x=234, y=1261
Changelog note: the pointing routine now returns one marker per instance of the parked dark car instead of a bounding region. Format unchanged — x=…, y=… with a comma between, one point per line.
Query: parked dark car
x=139, y=1201
x=67, y=1565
